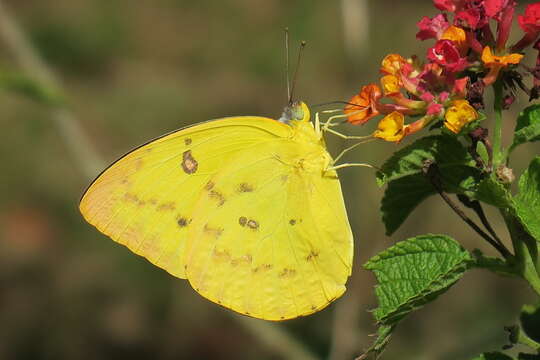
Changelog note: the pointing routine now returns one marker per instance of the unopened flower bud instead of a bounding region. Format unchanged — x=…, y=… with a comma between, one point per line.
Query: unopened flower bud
x=505, y=174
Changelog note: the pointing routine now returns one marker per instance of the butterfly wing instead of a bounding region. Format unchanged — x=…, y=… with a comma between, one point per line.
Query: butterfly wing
x=269, y=238
x=229, y=206
x=145, y=199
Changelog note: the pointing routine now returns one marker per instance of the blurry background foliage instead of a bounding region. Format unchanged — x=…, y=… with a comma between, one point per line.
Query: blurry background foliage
x=133, y=70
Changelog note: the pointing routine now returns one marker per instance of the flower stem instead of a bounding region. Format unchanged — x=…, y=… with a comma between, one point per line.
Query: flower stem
x=497, y=130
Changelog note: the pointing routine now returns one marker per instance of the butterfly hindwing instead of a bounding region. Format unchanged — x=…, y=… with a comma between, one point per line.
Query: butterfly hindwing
x=265, y=241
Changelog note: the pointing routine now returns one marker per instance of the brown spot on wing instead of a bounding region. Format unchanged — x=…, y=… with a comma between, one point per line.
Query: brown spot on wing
x=213, y=231
x=187, y=141
x=287, y=273
x=312, y=255
x=292, y=221
x=209, y=185
x=130, y=197
x=189, y=164
x=214, y=194
x=183, y=221
x=242, y=220
x=168, y=206
x=221, y=255
x=252, y=224
x=245, y=187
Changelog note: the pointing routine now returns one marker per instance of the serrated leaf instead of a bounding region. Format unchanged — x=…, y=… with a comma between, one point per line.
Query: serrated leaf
x=493, y=192
x=24, y=85
x=493, y=356
x=444, y=150
x=414, y=272
x=527, y=203
x=403, y=195
x=527, y=126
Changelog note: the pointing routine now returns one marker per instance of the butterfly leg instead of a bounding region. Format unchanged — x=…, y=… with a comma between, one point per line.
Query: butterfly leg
x=340, y=166
x=350, y=148
x=328, y=124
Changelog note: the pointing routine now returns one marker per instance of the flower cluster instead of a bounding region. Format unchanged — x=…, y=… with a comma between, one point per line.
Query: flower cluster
x=467, y=57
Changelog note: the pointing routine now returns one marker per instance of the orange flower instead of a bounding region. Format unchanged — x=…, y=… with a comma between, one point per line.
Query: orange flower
x=458, y=115
x=391, y=127
x=363, y=106
x=391, y=64
x=496, y=63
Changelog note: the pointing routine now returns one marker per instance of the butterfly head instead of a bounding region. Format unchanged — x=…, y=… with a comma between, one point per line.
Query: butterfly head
x=296, y=111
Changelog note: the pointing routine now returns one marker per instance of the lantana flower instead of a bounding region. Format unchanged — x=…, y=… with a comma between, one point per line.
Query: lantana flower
x=467, y=57
x=458, y=115
x=496, y=63
x=363, y=106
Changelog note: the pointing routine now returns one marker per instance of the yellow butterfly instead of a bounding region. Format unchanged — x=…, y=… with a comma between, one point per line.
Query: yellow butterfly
x=247, y=209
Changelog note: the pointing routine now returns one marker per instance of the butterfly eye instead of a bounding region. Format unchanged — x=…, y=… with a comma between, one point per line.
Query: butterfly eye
x=297, y=111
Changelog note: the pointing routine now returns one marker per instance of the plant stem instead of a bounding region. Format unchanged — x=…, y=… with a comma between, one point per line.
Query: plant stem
x=497, y=129
x=81, y=148
x=431, y=170
x=523, y=339
x=526, y=251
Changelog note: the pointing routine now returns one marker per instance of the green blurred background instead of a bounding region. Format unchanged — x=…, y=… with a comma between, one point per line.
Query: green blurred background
x=132, y=70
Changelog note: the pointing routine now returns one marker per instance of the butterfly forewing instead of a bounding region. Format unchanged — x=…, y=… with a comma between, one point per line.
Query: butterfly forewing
x=144, y=200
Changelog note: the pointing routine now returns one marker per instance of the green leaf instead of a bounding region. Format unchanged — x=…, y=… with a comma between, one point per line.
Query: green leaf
x=527, y=126
x=493, y=192
x=527, y=202
x=414, y=272
x=493, y=356
x=530, y=321
x=444, y=150
x=401, y=197
x=523, y=356
x=28, y=87
x=404, y=194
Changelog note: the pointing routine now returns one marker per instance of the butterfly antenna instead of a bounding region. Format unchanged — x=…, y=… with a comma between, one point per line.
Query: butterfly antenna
x=287, y=63
x=300, y=52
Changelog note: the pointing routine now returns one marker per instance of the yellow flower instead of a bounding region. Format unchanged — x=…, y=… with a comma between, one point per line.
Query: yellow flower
x=392, y=63
x=391, y=127
x=457, y=35
x=496, y=63
x=458, y=115
x=390, y=84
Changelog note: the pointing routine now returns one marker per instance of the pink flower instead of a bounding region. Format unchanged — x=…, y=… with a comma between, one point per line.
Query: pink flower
x=432, y=28
x=434, y=109
x=503, y=12
x=530, y=23
x=472, y=17
x=446, y=54
x=494, y=8
x=448, y=5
